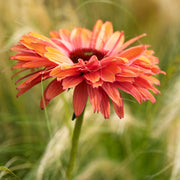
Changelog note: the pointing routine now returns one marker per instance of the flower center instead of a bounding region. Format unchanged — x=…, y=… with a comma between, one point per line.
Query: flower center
x=85, y=54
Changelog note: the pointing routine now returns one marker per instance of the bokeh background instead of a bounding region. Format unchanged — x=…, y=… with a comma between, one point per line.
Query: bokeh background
x=145, y=145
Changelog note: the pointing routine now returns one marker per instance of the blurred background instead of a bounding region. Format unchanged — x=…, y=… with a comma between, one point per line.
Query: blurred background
x=145, y=145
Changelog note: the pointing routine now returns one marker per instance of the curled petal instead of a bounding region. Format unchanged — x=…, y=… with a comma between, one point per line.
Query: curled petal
x=92, y=76
x=53, y=89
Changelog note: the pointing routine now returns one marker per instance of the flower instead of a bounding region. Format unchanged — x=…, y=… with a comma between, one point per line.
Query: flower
x=96, y=63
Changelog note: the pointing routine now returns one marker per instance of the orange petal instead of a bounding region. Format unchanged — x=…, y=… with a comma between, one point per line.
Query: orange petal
x=119, y=109
x=34, y=77
x=54, y=34
x=80, y=98
x=26, y=76
x=63, y=47
x=95, y=98
x=104, y=35
x=52, y=90
x=130, y=89
x=85, y=38
x=25, y=89
x=124, y=79
x=112, y=91
x=22, y=70
x=105, y=105
x=37, y=42
x=97, y=84
x=114, y=43
x=26, y=57
x=127, y=73
x=62, y=73
x=93, y=64
x=151, y=79
x=75, y=38
x=107, y=75
x=21, y=48
x=146, y=95
x=40, y=37
x=38, y=64
x=72, y=81
x=28, y=84
x=133, y=53
x=65, y=34
x=56, y=56
x=95, y=33
x=92, y=76
x=126, y=44
x=18, y=65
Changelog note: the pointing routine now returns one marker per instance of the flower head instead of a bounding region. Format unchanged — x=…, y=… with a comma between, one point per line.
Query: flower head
x=96, y=63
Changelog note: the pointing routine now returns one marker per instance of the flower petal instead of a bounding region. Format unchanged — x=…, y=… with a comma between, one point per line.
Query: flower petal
x=80, y=38
x=107, y=75
x=130, y=89
x=105, y=105
x=38, y=64
x=95, y=97
x=75, y=38
x=56, y=56
x=52, y=90
x=54, y=34
x=127, y=43
x=112, y=91
x=30, y=82
x=64, y=47
x=92, y=76
x=133, y=53
x=124, y=79
x=95, y=33
x=119, y=109
x=62, y=73
x=146, y=94
x=79, y=98
x=104, y=34
x=114, y=43
x=65, y=34
x=85, y=38
x=72, y=81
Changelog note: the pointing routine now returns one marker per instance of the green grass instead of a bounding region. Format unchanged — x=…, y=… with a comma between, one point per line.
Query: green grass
x=142, y=146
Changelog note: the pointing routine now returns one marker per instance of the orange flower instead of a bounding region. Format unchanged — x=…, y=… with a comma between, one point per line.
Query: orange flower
x=97, y=63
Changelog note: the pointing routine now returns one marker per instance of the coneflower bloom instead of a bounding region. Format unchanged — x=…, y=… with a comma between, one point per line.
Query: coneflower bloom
x=97, y=64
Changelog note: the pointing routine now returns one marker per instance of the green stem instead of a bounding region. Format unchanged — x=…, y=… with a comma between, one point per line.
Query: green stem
x=74, y=148
x=45, y=110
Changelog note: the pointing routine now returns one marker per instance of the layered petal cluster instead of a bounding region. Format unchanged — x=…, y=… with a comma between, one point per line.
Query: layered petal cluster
x=98, y=64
